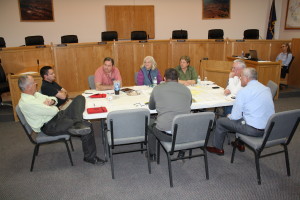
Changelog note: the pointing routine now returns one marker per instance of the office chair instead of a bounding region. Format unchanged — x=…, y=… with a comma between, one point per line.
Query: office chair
x=279, y=131
x=139, y=35
x=216, y=34
x=41, y=138
x=251, y=34
x=2, y=42
x=273, y=87
x=4, y=86
x=179, y=34
x=135, y=78
x=91, y=80
x=285, y=74
x=189, y=131
x=109, y=36
x=34, y=40
x=127, y=127
x=69, y=39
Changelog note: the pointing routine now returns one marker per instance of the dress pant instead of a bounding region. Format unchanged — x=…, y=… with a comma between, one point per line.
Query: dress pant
x=64, y=119
x=225, y=125
x=154, y=133
x=284, y=70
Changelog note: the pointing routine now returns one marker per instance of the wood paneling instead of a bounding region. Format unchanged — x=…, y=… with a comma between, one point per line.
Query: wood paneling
x=75, y=62
x=125, y=19
x=294, y=72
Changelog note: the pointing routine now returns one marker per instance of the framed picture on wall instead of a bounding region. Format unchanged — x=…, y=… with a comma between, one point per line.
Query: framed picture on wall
x=216, y=9
x=36, y=10
x=292, y=20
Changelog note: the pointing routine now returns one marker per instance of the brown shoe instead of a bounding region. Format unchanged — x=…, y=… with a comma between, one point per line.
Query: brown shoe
x=214, y=150
x=239, y=146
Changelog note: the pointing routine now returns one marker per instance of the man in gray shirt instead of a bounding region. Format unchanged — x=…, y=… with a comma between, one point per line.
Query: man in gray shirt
x=169, y=99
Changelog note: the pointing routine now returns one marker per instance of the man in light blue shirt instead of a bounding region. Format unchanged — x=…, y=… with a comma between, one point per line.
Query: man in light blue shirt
x=250, y=114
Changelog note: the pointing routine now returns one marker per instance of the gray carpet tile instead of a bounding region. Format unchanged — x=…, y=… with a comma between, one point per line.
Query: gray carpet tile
x=53, y=176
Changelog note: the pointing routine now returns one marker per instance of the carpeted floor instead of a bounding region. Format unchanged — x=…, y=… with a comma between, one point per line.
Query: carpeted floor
x=54, y=178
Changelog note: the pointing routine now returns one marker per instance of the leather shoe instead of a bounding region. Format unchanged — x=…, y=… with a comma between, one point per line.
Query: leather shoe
x=79, y=128
x=214, y=150
x=95, y=161
x=238, y=145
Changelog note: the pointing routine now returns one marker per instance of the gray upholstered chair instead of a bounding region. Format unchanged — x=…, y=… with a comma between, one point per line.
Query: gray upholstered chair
x=273, y=87
x=279, y=132
x=126, y=127
x=41, y=138
x=135, y=78
x=190, y=131
x=91, y=80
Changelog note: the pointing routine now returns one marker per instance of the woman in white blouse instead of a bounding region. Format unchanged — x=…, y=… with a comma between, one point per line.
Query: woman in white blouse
x=286, y=57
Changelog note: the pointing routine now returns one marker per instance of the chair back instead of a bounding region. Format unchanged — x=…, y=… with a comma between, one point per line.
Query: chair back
x=135, y=77
x=192, y=127
x=128, y=123
x=290, y=64
x=216, y=34
x=251, y=34
x=2, y=75
x=273, y=87
x=139, y=35
x=91, y=80
x=281, y=128
x=109, y=36
x=69, y=39
x=34, y=40
x=28, y=130
x=179, y=34
x=2, y=42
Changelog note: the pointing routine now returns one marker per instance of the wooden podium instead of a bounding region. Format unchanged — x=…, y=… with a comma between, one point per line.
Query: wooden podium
x=266, y=71
x=15, y=92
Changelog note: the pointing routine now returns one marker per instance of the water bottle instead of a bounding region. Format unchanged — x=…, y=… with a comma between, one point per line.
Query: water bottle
x=205, y=79
x=154, y=81
x=243, y=55
x=198, y=80
x=117, y=87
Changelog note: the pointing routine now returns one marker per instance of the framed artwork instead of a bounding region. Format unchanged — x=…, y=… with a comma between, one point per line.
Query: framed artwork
x=36, y=10
x=216, y=9
x=292, y=20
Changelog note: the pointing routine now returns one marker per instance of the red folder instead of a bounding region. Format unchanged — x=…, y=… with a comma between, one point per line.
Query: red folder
x=96, y=110
x=98, y=96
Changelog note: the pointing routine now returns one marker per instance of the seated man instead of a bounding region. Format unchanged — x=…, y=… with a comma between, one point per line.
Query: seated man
x=251, y=111
x=187, y=74
x=234, y=82
x=169, y=99
x=51, y=88
x=106, y=74
x=42, y=115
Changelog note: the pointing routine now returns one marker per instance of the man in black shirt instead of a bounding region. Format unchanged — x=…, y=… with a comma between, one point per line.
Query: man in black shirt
x=51, y=88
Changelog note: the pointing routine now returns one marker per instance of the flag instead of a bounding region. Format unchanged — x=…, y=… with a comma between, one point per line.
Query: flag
x=272, y=20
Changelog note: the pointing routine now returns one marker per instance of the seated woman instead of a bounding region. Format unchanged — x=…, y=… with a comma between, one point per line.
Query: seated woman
x=187, y=74
x=148, y=72
x=285, y=56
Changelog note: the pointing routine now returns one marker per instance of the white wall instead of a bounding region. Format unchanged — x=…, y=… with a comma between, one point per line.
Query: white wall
x=86, y=19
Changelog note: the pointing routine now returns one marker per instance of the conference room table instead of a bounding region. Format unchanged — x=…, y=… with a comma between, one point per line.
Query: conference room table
x=206, y=95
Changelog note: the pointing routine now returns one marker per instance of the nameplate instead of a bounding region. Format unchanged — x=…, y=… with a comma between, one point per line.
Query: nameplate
x=240, y=40
x=40, y=46
x=102, y=42
x=180, y=40
x=61, y=45
x=204, y=58
x=219, y=40
x=143, y=41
